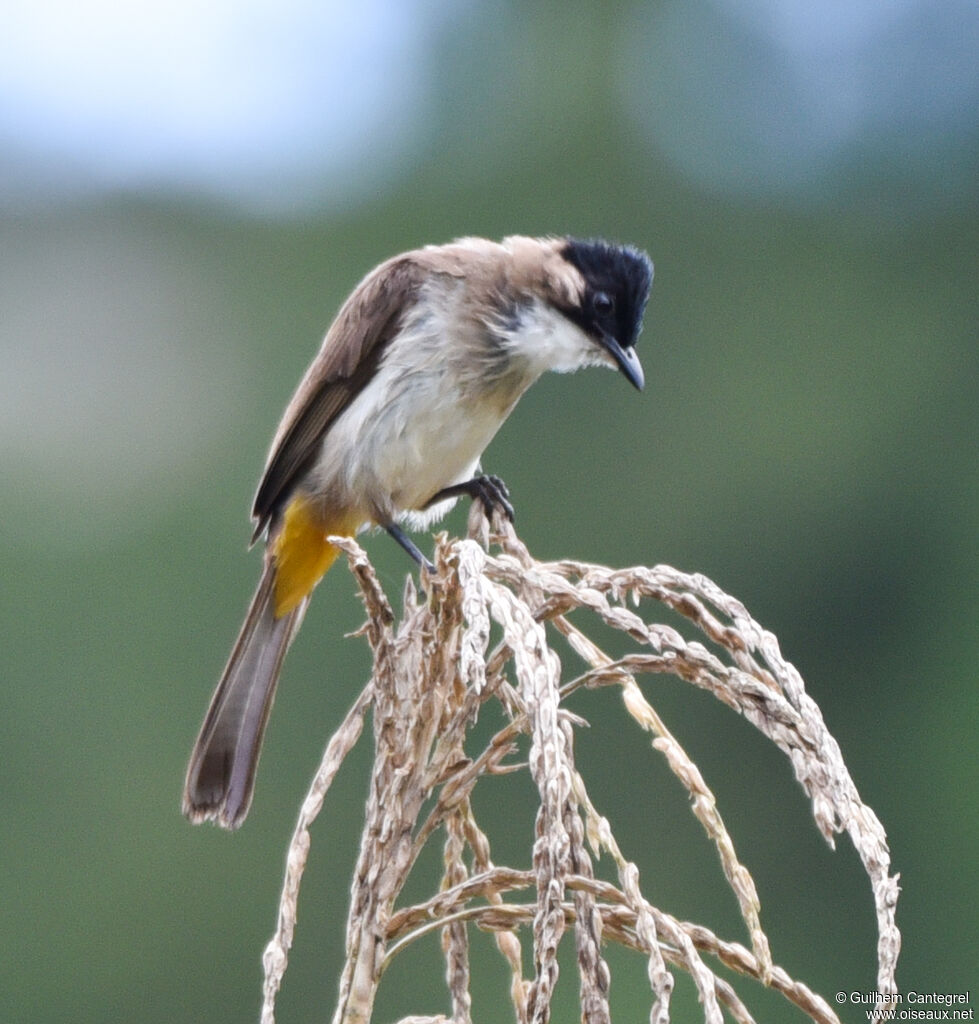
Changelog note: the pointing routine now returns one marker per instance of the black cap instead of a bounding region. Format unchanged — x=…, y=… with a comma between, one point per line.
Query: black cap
x=617, y=283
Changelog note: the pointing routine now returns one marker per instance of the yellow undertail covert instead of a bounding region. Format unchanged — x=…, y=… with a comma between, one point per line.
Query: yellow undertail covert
x=302, y=553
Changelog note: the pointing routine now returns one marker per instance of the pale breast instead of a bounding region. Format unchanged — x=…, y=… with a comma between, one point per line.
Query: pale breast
x=417, y=428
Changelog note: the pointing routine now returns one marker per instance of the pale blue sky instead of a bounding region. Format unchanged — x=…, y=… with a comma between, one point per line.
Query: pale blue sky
x=279, y=105
x=248, y=99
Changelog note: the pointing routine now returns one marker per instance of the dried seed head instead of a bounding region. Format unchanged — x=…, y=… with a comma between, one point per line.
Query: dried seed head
x=433, y=670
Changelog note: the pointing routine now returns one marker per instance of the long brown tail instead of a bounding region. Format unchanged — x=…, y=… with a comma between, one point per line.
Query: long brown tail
x=221, y=774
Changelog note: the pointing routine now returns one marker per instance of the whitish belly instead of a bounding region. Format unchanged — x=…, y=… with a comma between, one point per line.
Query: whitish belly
x=399, y=444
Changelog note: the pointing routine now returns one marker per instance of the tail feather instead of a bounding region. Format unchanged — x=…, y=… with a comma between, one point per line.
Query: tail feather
x=221, y=774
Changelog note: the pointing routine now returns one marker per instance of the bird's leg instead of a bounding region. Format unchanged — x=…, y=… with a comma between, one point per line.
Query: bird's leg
x=490, y=490
x=409, y=545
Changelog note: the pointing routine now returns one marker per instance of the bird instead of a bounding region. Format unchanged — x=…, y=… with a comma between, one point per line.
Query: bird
x=425, y=360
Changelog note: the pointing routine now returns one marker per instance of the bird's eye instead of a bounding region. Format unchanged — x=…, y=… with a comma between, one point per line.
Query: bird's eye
x=602, y=303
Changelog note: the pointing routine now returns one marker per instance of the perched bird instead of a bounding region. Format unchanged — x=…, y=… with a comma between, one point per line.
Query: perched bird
x=422, y=365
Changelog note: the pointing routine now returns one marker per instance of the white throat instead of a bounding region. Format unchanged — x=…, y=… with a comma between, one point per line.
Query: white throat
x=542, y=339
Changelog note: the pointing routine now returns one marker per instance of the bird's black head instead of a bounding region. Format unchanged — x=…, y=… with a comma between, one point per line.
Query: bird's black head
x=617, y=282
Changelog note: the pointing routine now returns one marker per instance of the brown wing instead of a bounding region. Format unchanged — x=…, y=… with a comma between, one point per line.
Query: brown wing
x=351, y=350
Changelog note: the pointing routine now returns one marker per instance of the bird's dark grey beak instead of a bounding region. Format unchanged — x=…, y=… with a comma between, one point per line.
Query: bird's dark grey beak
x=627, y=361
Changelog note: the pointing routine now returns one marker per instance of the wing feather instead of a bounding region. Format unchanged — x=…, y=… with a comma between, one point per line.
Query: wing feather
x=346, y=361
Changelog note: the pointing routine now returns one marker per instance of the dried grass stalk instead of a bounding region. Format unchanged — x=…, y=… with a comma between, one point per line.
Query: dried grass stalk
x=432, y=672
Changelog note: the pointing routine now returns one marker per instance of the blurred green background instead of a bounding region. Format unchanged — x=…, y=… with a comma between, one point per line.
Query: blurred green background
x=187, y=194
